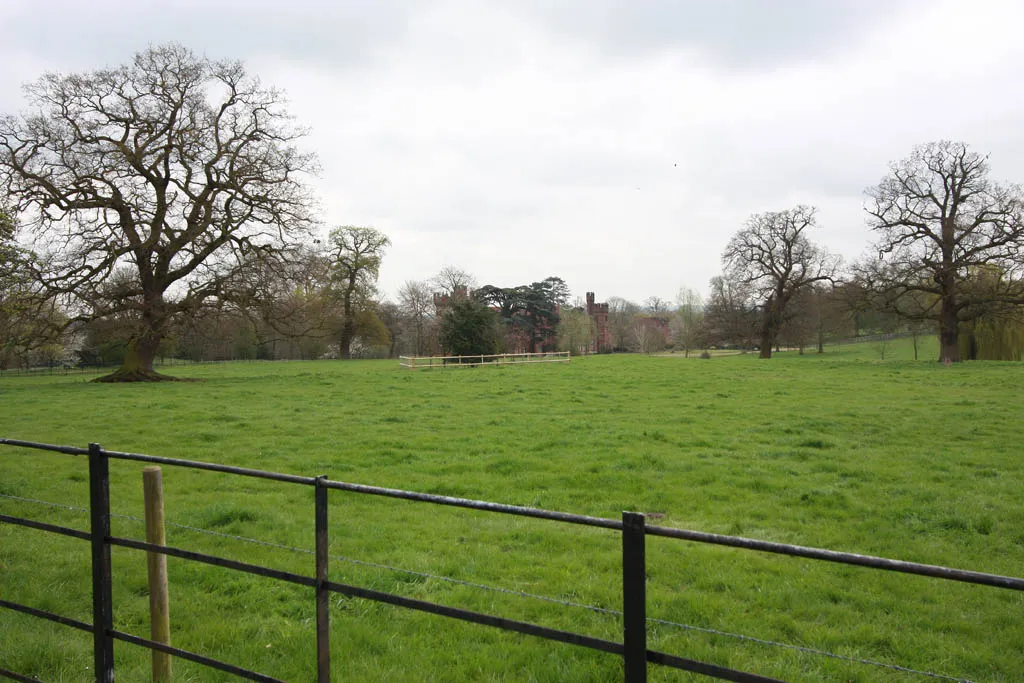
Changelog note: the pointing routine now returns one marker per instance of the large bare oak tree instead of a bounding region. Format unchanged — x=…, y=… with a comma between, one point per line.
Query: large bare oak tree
x=773, y=257
x=150, y=184
x=942, y=225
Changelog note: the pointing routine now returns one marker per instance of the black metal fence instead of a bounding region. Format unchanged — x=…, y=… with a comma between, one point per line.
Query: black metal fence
x=61, y=367
x=633, y=528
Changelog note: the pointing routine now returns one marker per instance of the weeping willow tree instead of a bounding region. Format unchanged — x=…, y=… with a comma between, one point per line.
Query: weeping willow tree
x=994, y=339
x=994, y=331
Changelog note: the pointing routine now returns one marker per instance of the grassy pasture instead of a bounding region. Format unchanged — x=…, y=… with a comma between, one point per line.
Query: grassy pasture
x=902, y=459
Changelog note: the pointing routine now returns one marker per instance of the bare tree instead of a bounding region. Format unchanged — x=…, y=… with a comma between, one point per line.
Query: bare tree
x=355, y=254
x=940, y=219
x=450, y=280
x=576, y=330
x=390, y=315
x=655, y=304
x=688, y=322
x=417, y=306
x=29, y=322
x=9, y=251
x=774, y=257
x=13, y=263
x=834, y=317
x=646, y=336
x=287, y=299
x=620, y=321
x=174, y=168
x=801, y=321
x=888, y=329
x=641, y=336
x=730, y=316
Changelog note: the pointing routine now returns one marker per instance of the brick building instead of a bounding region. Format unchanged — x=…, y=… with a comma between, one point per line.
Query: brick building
x=441, y=301
x=602, y=342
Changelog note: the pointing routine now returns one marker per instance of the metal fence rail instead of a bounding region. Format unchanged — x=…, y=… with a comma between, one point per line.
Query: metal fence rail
x=632, y=527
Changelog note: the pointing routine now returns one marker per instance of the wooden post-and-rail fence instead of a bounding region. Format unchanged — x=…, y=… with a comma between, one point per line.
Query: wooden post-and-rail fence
x=632, y=527
x=477, y=360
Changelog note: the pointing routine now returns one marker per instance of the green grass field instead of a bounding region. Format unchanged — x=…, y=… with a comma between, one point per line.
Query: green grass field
x=903, y=459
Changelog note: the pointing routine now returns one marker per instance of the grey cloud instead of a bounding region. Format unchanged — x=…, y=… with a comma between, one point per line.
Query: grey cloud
x=510, y=138
x=736, y=33
x=345, y=34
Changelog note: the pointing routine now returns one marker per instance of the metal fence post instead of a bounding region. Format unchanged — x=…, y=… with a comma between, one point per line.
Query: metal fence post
x=99, y=529
x=323, y=624
x=634, y=598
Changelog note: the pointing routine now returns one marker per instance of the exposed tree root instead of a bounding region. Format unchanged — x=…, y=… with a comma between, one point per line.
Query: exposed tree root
x=138, y=375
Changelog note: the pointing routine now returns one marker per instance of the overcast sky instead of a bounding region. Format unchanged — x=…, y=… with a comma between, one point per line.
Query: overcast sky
x=615, y=144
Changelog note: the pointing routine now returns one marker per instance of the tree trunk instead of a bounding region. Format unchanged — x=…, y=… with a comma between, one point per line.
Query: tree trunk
x=137, y=365
x=949, y=318
x=766, y=341
x=767, y=332
x=142, y=354
x=949, y=327
x=348, y=332
x=348, y=325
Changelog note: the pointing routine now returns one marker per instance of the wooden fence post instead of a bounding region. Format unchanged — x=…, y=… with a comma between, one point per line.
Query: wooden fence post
x=156, y=565
x=634, y=597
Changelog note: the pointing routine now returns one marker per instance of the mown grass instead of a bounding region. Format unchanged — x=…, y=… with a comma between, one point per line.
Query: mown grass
x=898, y=458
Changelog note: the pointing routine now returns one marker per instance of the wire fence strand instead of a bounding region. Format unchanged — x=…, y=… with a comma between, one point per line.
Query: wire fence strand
x=522, y=594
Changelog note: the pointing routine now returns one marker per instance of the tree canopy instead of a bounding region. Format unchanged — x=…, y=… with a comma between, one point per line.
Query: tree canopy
x=28, y=321
x=774, y=258
x=529, y=311
x=149, y=185
x=688, y=321
x=941, y=223
x=468, y=327
x=10, y=253
x=355, y=254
